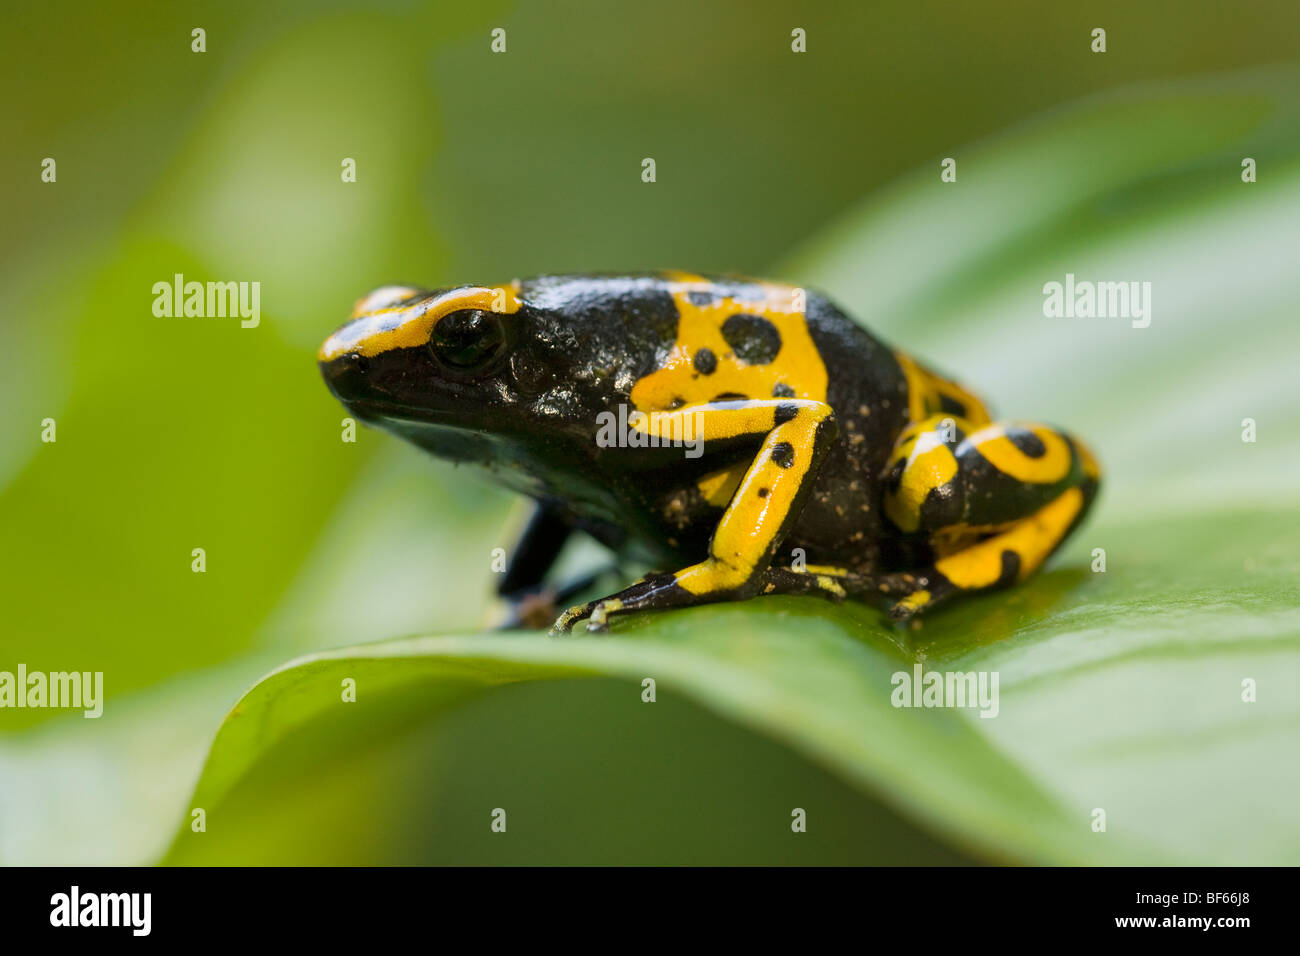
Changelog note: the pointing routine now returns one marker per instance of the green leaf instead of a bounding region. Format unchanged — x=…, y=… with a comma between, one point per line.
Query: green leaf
x=789, y=672
x=446, y=730
x=1120, y=692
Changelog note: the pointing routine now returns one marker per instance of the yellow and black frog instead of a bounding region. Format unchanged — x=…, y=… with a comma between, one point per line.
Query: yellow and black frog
x=746, y=433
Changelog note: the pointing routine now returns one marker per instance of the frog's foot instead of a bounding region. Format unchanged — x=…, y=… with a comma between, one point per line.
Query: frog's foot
x=993, y=505
x=661, y=591
x=566, y=622
x=919, y=592
x=1000, y=559
x=652, y=591
x=902, y=593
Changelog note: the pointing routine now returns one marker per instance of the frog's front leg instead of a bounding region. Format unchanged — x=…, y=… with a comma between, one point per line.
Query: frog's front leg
x=794, y=436
x=994, y=501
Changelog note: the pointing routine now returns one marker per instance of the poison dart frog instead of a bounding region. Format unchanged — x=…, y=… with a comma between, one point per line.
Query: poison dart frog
x=769, y=444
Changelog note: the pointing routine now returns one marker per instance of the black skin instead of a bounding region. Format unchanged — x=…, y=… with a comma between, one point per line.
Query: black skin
x=575, y=348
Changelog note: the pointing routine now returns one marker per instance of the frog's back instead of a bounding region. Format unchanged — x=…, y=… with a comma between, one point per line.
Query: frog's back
x=683, y=339
x=698, y=338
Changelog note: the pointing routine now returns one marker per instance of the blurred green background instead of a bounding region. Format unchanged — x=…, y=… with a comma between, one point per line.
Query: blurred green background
x=820, y=167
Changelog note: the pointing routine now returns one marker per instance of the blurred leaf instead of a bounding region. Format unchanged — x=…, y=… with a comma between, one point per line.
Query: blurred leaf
x=184, y=433
x=276, y=207
x=152, y=461
x=104, y=792
x=584, y=769
x=791, y=674
x=758, y=147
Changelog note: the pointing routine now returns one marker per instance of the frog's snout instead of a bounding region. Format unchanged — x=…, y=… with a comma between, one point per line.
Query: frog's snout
x=347, y=376
x=381, y=320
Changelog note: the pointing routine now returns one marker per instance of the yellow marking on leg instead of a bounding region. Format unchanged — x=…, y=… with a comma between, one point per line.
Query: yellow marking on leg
x=602, y=610
x=566, y=620
x=958, y=537
x=830, y=585
x=825, y=576
x=930, y=464
x=822, y=569
x=1052, y=466
x=718, y=487
x=926, y=391
x=1031, y=538
x=752, y=520
x=914, y=601
x=1091, y=467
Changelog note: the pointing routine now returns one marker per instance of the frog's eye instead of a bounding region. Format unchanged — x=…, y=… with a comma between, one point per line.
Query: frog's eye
x=468, y=339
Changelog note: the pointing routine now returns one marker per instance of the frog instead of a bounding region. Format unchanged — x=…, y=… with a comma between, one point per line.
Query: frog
x=745, y=436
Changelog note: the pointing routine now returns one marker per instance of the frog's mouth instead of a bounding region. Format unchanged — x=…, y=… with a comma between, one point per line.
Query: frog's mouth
x=441, y=427
x=445, y=440
x=392, y=416
x=361, y=389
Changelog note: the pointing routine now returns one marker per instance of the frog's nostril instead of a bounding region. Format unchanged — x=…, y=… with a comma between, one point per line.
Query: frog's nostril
x=358, y=363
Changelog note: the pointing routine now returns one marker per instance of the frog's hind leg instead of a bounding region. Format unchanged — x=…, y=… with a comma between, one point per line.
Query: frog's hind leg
x=994, y=504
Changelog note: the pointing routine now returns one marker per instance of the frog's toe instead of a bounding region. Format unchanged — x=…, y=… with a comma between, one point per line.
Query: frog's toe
x=599, y=620
x=907, y=608
x=565, y=623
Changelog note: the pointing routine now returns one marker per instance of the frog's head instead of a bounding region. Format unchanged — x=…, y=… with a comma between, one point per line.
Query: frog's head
x=554, y=349
x=515, y=378
x=482, y=373
x=420, y=356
